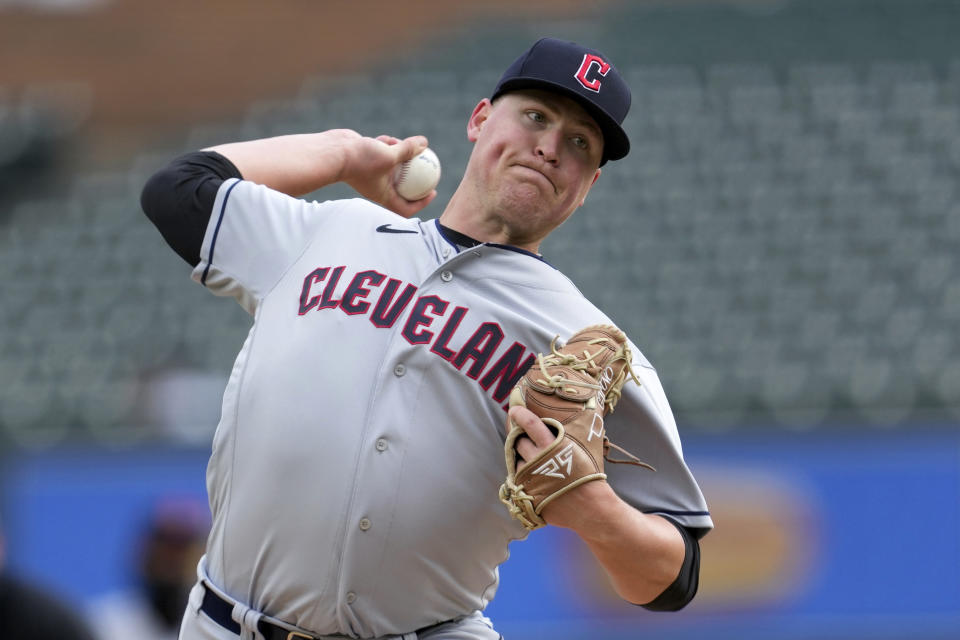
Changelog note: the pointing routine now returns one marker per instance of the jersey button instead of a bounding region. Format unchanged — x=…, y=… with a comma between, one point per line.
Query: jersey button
x=364, y=524
x=381, y=444
x=446, y=276
x=445, y=252
x=399, y=370
x=351, y=597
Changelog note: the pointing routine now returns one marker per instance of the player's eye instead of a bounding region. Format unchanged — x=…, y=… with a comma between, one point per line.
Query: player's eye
x=536, y=116
x=580, y=142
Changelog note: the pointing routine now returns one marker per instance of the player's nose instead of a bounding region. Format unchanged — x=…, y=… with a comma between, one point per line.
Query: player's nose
x=548, y=146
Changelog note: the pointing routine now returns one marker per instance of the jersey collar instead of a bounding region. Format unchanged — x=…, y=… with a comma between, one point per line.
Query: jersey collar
x=461, y=241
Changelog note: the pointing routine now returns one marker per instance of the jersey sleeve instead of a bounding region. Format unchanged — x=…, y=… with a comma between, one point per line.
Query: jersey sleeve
x=643, y=424
x=254, y=235
x=179, y=197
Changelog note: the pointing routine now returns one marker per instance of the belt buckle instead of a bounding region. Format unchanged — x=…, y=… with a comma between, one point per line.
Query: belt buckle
x=293, y=635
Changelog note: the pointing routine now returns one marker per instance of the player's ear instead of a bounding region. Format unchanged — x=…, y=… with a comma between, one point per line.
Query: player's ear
x=477, y=119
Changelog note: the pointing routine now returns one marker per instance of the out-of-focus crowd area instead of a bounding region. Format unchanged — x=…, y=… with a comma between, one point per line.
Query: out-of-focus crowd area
x=783, y=243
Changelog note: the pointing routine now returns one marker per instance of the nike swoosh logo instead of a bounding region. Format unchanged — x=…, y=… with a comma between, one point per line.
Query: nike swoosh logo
x=386, y=228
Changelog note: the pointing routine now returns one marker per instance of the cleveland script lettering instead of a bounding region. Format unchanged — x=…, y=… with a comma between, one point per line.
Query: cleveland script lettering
x=430, y=321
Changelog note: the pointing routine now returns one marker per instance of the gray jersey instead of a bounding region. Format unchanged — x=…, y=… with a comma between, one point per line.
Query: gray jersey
x=355, y=470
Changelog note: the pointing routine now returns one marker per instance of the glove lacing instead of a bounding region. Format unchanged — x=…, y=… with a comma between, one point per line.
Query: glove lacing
x=578, y=363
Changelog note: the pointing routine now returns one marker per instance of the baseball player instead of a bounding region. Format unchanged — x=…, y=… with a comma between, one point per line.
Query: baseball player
x=354, y=476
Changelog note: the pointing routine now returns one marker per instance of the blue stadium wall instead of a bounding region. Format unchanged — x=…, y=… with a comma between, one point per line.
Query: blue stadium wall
x=835, y=534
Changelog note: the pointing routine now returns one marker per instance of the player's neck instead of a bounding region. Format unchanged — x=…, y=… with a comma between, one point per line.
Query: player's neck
x=464, y=216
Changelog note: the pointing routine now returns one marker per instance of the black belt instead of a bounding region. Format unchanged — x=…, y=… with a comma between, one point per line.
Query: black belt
x=220, y=611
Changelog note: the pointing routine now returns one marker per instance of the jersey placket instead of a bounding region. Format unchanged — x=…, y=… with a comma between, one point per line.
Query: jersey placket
x=390, y=426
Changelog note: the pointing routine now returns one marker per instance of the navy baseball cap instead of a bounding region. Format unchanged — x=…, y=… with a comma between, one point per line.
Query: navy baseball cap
x=583, y=74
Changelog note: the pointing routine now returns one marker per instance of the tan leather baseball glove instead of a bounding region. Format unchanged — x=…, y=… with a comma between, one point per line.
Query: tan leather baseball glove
x=571, y=390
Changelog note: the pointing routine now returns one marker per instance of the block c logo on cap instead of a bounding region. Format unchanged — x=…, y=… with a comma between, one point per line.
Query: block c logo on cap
x=589, y=61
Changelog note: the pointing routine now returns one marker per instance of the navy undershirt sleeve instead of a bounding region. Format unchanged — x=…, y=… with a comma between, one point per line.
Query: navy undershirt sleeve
x=684, y=588
x=179, y=198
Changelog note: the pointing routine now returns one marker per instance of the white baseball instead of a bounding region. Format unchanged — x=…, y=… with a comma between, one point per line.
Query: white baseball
x=417, y=177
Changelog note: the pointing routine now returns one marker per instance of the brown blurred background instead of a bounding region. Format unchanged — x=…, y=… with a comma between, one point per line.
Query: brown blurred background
x=156, y=67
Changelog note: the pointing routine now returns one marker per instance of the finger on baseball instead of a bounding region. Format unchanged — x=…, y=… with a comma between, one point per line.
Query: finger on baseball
x=409, y=147
x=527, y=420
x=409, y=208
x=388, y=139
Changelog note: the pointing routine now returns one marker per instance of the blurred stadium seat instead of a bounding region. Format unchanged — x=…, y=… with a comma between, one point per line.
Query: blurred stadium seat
x=781, y=243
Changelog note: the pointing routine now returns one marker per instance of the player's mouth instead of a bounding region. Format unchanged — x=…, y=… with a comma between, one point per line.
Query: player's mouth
x=542, y=176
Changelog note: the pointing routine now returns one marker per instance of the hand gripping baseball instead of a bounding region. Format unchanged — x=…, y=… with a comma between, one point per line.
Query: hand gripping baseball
x=371, y=165
x=571, y=390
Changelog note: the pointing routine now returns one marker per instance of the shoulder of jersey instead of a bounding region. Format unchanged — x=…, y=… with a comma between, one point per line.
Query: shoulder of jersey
x=391, y=227
x=357, y=214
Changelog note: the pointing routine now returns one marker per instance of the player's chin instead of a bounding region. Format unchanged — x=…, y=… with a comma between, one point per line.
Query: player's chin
x=530, y=198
